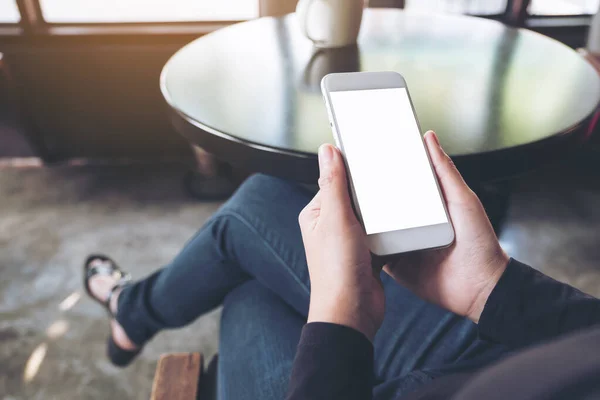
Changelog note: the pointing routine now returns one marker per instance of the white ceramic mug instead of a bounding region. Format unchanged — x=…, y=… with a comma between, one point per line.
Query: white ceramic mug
x=330, y=23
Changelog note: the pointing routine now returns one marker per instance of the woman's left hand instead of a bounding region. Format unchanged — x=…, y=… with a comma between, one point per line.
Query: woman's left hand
x=345, y=288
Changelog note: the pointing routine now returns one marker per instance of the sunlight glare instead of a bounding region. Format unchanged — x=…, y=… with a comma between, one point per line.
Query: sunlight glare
x=69, y=301
x=115, y=11
x=57, y=329
x=32, y=366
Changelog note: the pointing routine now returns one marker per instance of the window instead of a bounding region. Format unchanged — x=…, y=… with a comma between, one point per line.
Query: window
x=563, y=7
x=115, y=11
x=472, y=7
x=9, y=13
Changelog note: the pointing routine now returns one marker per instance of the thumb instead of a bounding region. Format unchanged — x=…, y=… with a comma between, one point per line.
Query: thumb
x=332, y=180
x=451, y=181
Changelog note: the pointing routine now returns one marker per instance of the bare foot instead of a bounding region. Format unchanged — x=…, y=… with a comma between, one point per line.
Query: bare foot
x=100, y=286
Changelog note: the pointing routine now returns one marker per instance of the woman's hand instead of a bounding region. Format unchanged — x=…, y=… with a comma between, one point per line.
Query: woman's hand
x=345, y=288
x=461, y=277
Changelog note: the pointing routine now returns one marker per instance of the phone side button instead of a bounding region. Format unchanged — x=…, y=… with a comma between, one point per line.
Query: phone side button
x=335, y=138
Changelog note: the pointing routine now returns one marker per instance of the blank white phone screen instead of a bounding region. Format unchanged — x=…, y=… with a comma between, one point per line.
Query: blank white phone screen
x=393, y=181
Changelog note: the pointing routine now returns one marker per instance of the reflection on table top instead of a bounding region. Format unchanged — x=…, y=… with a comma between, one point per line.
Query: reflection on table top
x=479, y=84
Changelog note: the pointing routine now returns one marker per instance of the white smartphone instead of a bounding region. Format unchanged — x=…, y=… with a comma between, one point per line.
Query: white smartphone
x=393, y=184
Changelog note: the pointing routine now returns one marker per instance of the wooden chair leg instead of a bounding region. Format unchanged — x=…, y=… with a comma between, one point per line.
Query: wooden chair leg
x=177, y=377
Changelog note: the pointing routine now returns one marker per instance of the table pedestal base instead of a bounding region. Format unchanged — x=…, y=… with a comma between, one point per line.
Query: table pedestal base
x=212, y=180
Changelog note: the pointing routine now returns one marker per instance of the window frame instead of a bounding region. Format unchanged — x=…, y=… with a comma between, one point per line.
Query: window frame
x=32, y=23
x=558, y=21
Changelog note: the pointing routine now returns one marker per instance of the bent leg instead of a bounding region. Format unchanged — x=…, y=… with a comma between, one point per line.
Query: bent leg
x=419, y=341
x=255, y=235
x=258, y=339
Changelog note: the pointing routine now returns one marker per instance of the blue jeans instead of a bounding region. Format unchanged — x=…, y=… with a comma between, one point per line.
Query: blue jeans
x=250, y=258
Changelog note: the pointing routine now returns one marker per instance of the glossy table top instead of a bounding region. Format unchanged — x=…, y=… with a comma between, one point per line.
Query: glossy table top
x=481, y=86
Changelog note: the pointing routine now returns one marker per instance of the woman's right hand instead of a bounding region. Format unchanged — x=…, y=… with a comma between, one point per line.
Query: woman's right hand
x=461, y=277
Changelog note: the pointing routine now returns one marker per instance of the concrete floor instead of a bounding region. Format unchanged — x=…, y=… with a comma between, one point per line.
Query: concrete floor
x=50, y=219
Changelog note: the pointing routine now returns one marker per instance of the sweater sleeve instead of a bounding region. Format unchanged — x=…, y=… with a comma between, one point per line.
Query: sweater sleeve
x=332, y=362
x=527, y=307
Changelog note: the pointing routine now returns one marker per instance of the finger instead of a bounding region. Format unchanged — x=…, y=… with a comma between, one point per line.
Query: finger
x=310, y=214
x=406, y=275
x=377, y=275
x=332, y=180
x=450, y=179
x=405, y=267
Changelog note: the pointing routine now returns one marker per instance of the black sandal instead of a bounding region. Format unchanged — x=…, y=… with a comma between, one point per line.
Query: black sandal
x=117, y=355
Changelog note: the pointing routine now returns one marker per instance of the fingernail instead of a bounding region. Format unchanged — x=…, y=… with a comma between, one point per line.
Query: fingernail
x=325, y=156
x=434, y=137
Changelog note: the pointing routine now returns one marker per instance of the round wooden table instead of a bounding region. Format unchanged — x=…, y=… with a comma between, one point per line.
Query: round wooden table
x=502, y=100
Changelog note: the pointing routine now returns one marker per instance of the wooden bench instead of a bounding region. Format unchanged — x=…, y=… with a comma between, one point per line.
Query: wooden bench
x=181, y=376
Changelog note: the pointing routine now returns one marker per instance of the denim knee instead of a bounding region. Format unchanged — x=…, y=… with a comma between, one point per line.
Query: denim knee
x=260, y=192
